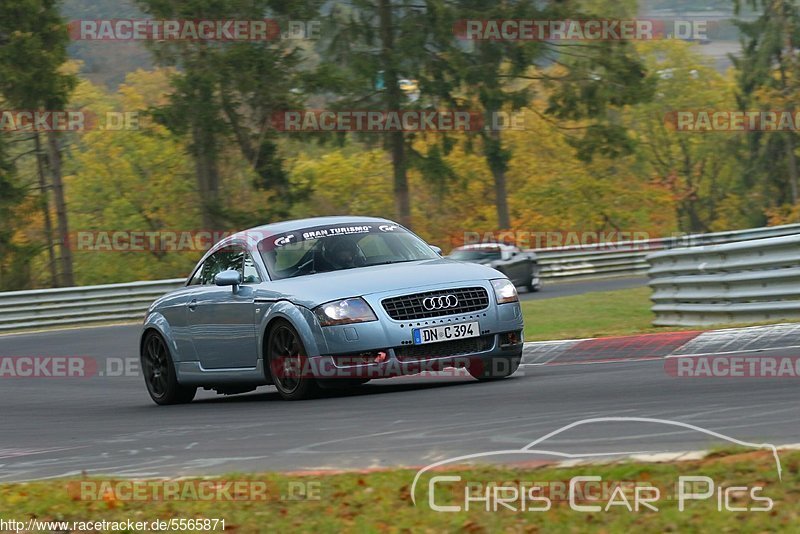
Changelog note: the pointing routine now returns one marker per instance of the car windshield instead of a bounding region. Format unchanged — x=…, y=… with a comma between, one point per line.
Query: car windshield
x=476, y=254
x=332, y=248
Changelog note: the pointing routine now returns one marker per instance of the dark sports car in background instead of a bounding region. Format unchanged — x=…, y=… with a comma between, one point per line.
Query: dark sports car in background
x=519, y=266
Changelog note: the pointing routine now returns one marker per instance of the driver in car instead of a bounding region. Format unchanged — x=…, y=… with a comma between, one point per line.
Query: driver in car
x=342, y=254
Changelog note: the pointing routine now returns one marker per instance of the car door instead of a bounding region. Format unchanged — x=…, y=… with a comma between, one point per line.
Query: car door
x=222, y=319
x=177, y=315
x=520, y=266
x=511, y=265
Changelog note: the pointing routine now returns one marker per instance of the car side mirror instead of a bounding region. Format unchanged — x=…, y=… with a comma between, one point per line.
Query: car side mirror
x=228, y=278
x=436, y=249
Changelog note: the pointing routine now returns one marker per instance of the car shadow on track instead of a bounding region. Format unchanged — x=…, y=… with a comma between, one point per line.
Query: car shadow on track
x=376, y=387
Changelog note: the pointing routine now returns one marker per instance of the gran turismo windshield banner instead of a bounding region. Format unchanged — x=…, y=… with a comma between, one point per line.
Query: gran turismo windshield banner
x=317, y=232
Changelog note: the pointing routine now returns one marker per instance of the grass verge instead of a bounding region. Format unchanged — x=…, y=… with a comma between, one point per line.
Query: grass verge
x=605, y=313
x=601, y=314
x=381, y=501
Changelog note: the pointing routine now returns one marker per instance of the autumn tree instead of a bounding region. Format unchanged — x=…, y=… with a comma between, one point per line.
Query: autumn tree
x=370, y=46
x=768, y=73
x=33, y=39
x=698, y=169
x=227, y=92
x=593, y=81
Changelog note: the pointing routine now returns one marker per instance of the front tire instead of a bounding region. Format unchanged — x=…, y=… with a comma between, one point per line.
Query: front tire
x=494, y=368
x=534, y=283
x=159, y=373
x=288, y=363
x=533, y=286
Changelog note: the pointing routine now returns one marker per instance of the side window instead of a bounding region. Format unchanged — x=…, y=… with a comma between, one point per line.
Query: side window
x=197, y=277
x=222, y=260
x=250, y=271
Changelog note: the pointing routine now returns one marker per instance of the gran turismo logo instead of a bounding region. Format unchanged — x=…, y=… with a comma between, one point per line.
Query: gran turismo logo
x=284, y=240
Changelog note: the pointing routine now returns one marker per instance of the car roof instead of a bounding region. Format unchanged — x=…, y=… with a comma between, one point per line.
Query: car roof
x=492, y=246
x=252, y=235
x=299, y=224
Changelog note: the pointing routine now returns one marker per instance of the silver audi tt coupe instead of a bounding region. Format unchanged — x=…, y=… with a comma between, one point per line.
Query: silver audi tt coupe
x=327, y=302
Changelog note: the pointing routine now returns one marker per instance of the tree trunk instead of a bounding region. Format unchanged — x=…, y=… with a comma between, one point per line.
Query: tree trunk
x=791, y=55
x=45, y=205
x=401, y=193
x=263, y=158
x=394, y=98
x=205, y=161
x=493, y=152
x=792, y=164
x=54, y=163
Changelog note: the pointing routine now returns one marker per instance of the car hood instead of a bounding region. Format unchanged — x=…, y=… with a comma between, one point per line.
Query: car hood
x=482, y=261
x=314, y=289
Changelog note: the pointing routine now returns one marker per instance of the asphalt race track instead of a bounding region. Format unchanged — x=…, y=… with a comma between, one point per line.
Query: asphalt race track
x=106, y=425
x=566, y=289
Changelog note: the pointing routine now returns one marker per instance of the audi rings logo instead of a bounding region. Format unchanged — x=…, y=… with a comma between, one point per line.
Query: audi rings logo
x=440, y=303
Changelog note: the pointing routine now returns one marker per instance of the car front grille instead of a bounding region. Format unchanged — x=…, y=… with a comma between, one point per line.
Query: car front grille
x=410, y=307
x=444, y=349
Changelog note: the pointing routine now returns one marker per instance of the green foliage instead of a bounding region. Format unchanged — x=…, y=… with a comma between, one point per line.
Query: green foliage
x=226, y=93
x=372, y=46
x=33, y=42
x=596, y=153
x=131, y=181
x=11, y=194
x=768, y=77
x=698, y=170
x=582, y=82
x=343, y=182
x=33, y=38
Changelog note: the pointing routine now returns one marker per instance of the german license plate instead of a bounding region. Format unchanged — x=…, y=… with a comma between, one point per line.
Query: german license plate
x=448, y=332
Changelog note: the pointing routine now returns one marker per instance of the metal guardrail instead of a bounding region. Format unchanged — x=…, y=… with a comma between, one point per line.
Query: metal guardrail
x=128, y=302
x=80, y=305
x=580, y=264
x=751, y=281
x=630, y=257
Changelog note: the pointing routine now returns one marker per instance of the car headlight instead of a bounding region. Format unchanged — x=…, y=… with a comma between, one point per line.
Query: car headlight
x=347, y=311
x=504, y=291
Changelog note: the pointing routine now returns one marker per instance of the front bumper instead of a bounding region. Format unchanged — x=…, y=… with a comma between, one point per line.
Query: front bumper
x=385, y=347
x=393, y=361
